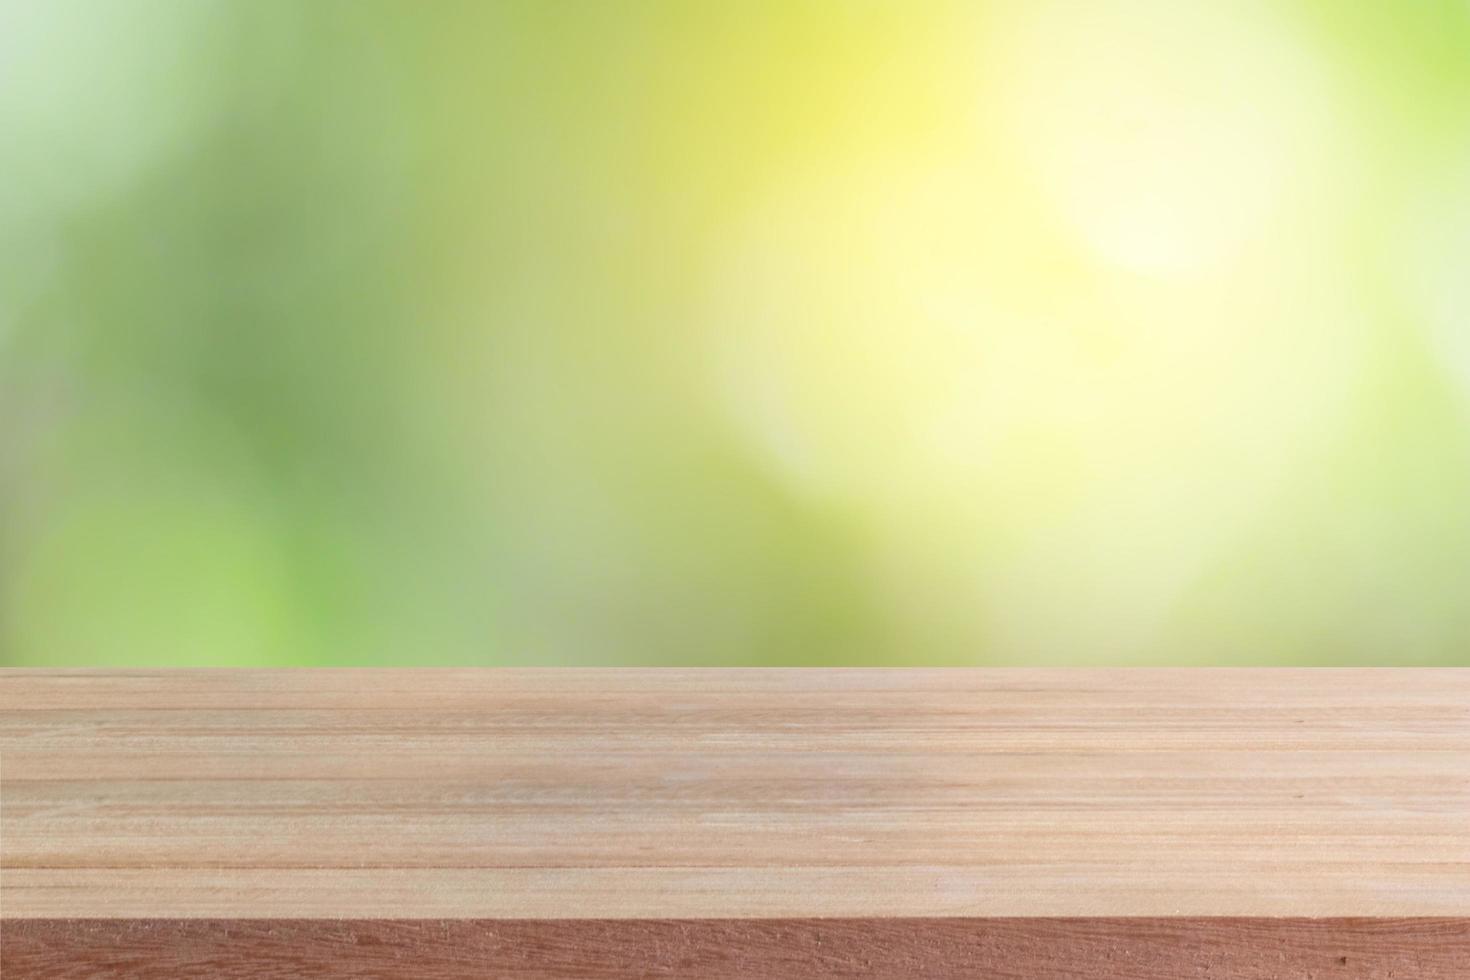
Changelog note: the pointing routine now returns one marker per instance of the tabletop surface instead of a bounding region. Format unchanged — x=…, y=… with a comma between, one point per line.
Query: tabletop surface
x=662, y=793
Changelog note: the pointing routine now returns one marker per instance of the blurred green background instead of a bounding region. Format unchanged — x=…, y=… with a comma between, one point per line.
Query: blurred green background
x=789, y=332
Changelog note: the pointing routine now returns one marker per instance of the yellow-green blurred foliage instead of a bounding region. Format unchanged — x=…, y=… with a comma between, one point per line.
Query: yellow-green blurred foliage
x=341, y=331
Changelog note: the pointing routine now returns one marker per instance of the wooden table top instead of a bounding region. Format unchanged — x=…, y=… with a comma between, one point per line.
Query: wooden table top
x=663, y=794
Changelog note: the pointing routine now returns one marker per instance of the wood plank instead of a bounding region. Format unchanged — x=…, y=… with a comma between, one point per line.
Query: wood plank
x=740, y=949
x=675, y=794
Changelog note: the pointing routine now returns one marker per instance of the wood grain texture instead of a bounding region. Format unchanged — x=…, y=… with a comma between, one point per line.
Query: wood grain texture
x=741, y=949
x=679, y=794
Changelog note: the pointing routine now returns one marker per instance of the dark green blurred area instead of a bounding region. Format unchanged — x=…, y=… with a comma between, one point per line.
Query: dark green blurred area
x=404, y=333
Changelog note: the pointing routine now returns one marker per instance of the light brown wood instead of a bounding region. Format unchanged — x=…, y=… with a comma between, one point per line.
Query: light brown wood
x=660, y=794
